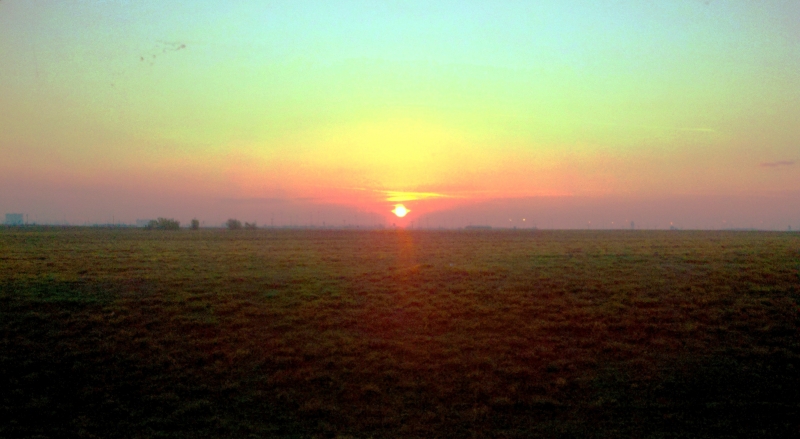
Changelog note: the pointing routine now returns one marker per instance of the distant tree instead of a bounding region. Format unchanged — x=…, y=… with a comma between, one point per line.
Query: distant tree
x=195, y=224
x=163, y=224
x=233, y=224
x=250, y=226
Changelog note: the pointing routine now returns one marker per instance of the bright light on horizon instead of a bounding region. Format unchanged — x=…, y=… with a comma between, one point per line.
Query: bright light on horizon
x=400, y=210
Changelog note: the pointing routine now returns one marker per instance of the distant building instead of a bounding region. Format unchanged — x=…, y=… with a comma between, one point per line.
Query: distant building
x=14, y=219
x=479, y=228
x=142, y=222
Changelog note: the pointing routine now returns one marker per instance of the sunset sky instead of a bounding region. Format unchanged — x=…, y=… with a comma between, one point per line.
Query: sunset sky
x=563, y=113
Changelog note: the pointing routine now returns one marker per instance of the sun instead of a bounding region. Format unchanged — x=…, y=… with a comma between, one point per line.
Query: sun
x=400, y=210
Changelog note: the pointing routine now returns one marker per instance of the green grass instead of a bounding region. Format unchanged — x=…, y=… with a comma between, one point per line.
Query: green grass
x=384, y=334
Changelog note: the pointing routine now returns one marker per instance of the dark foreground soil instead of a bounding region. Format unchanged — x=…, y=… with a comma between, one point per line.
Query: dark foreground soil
x=398, y=334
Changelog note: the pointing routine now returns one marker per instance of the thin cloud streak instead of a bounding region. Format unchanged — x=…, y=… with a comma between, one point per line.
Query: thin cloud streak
x=656, y=127
x=413, y=196
x=777, y=164
x=262, y=200
x=399, y=196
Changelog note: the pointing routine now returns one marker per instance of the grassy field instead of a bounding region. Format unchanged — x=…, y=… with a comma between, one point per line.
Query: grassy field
x=399, y=334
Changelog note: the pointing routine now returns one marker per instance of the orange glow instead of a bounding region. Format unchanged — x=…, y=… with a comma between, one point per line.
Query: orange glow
x=400, y=210
x=411, y=196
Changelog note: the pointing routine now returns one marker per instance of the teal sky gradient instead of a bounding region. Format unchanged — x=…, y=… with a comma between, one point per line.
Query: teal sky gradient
x=336, y=103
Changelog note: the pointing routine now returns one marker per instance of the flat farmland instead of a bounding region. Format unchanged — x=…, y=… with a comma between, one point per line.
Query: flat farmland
x=398, y=334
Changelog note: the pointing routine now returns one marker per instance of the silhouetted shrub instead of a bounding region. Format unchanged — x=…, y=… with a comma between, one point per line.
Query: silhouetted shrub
x=163, y=224
x=233, y=224
x=195, y=224
x=250, y=226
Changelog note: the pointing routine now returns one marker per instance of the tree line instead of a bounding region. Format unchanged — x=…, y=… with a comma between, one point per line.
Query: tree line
x=173, y=224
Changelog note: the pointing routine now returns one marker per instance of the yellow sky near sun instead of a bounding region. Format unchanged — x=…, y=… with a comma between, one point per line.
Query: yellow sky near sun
x=403, y=158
